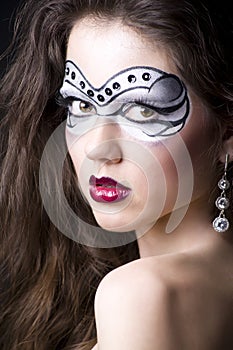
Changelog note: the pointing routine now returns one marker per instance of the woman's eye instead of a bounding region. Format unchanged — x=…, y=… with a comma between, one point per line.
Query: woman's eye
x=140, y=113
x=79, y=108
x=85, y=107
x=147, y=112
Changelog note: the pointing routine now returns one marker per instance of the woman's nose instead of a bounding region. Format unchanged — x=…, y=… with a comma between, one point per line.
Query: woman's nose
x=103, y=142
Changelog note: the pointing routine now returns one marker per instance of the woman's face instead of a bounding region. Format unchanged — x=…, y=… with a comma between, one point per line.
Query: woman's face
x=135, y=132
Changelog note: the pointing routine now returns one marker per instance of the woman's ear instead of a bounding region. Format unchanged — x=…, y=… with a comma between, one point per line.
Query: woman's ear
x=227, y=148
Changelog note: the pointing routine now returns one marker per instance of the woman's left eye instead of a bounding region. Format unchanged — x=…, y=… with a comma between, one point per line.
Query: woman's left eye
x=140, y=113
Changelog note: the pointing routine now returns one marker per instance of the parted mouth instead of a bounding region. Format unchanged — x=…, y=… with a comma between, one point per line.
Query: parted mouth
x=106, y=189
x=105, y=182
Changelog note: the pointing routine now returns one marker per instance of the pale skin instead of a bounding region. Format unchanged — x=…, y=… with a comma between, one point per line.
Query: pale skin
x=178, y=295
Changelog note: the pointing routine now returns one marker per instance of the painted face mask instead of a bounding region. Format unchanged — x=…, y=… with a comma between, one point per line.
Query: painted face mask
x=147, y=103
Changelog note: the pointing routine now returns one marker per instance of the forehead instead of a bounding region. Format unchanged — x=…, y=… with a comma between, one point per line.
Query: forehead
x=101, y=49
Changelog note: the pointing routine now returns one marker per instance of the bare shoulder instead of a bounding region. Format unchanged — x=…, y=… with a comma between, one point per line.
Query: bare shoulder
x=126, y=302
x=140, y=303
x=182, y=273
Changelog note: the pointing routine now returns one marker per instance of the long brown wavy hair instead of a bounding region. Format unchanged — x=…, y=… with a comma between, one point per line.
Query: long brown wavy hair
x=47, y=280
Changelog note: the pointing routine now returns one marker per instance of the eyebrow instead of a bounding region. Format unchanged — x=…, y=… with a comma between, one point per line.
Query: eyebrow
x=149, y=80
x=82, y=95
x=137, y=77
x=141, y=100
x=70, y=64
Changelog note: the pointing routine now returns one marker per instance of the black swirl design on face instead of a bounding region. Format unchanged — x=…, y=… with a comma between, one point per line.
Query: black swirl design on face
x=149, y=88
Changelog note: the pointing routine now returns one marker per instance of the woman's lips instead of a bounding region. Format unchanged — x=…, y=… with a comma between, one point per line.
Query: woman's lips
x=108, y=190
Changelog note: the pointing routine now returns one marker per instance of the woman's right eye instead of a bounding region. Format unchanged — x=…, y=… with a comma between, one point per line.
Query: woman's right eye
x=81, y=108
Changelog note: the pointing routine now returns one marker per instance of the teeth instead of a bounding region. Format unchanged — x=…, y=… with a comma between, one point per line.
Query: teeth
x=110, y=193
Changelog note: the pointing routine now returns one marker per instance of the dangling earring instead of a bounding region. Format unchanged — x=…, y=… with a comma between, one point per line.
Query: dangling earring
x=221, y=224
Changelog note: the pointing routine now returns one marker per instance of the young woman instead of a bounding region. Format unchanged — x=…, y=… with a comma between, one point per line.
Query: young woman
x=116, y=177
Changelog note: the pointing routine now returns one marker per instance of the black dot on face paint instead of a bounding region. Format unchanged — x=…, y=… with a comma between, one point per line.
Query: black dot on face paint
x=146, y=76
x=73, y=75
x=132, y=78
x=116, y=86
x=108, y=92
x=90, y=93
x=67, y=71
x=101, y=98
x=82, y=84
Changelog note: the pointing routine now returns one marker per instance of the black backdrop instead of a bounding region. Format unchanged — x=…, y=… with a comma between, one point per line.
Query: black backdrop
x=7, y=12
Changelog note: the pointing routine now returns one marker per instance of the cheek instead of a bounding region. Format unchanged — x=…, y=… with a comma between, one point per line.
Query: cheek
x=169, y=164
x=75, y=149
x=199, y=140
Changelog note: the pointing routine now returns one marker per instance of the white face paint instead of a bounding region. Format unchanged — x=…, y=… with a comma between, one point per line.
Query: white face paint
x=146, y=102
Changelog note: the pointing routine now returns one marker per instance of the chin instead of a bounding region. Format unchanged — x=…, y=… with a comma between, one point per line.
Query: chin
x=122, y=223
x=115, y=222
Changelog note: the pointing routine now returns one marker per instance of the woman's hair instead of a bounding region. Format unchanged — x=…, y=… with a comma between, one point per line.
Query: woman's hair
x=48, y=281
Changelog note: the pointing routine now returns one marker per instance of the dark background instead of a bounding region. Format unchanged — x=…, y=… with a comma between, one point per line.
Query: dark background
x=7, y=13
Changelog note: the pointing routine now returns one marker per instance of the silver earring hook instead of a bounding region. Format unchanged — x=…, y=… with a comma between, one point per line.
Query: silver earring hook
x=226, y=162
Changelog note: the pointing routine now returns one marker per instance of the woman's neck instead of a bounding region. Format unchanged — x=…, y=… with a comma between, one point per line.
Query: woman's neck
x=194, y=230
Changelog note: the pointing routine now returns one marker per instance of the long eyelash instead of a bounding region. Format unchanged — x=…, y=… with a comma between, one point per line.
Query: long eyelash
x=143, y=102
x=164, y=110
x=64, y=101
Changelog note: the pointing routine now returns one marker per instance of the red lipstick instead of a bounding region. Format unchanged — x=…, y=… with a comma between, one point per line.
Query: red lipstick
x=107, y=190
